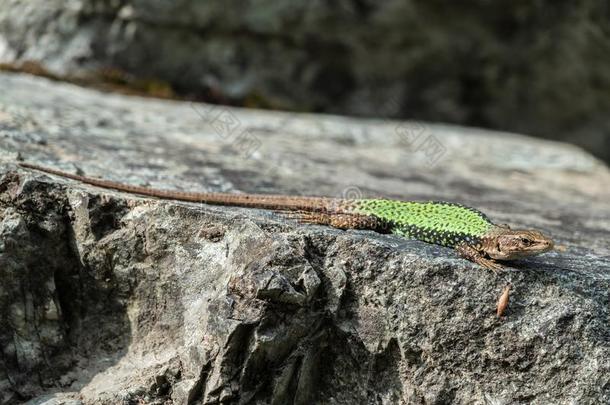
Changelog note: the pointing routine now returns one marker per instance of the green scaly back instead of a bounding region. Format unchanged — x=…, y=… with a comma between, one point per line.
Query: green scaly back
x=438, y=222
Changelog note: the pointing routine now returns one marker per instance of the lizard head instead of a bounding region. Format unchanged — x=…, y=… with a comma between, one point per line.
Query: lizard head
x=509, y=244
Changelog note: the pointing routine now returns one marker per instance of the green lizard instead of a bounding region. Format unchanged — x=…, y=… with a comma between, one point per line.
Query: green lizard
x=471, y=233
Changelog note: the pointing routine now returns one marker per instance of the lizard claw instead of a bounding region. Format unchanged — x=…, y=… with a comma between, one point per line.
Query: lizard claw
x=490, y=264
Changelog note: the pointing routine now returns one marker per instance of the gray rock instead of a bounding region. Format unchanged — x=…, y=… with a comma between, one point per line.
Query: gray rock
x=518, y=67
x=55, y=399
x=109, y=297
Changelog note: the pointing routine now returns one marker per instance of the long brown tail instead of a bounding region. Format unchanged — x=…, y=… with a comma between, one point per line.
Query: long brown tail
x=265, y=201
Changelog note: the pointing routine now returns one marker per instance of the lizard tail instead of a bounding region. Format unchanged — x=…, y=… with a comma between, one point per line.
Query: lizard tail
x=264, y=201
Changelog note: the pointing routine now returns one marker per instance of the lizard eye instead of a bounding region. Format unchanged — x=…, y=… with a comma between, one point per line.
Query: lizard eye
x=526, y=242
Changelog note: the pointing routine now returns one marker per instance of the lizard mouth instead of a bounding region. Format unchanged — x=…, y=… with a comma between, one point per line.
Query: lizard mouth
x=516, y=248
x=514, y=244
x=535, y=249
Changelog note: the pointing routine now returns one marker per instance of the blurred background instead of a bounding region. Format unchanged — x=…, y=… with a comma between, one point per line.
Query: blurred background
x=536, y=67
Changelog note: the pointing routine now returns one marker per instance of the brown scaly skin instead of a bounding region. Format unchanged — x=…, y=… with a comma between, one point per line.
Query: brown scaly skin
x=503, y=243
x=484, y=245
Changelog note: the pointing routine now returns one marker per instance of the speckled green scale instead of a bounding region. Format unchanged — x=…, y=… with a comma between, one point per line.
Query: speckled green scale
x=438, y=222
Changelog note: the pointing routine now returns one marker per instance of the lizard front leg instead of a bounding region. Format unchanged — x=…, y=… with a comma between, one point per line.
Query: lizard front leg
x=471, y=253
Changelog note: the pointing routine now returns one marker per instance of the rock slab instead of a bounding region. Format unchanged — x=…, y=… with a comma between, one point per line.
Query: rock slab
x=109, y=298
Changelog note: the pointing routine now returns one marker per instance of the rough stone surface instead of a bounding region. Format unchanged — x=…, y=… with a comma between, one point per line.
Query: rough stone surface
x=535, y=67
x=112, y=298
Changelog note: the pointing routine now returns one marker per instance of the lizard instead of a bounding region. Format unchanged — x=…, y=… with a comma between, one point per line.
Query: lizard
x=467, y=230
